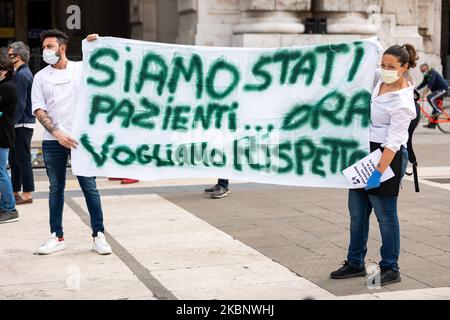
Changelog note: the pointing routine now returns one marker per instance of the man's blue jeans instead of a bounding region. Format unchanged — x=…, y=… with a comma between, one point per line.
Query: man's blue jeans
x=55, y=157
x=360, y=205
x=7, y=200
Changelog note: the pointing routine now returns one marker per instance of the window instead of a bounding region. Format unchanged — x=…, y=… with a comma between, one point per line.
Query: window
x=6, y=14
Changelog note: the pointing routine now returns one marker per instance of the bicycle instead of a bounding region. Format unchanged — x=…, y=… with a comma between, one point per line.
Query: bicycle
x=443, y=120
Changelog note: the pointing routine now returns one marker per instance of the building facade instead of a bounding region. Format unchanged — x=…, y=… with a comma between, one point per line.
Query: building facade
x=24, y=20
x=276, y=23
x=247, y=23
x=241, y=23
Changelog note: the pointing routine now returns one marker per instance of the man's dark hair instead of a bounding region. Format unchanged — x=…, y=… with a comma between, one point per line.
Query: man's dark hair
x=59, y=35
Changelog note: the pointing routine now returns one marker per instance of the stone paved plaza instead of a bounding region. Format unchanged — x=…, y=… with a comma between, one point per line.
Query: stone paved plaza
x=171, y=241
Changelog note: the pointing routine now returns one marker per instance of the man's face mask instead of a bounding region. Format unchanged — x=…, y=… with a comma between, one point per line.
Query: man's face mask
x=13, y=57
x=50, y=56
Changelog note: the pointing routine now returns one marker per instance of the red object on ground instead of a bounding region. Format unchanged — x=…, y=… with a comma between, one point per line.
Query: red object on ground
x=128, y=181
x=115, y=179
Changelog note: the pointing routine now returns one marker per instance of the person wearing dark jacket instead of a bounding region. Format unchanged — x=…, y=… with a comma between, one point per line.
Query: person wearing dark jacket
x=20, y=154
x=8, y=102
x=438, y=87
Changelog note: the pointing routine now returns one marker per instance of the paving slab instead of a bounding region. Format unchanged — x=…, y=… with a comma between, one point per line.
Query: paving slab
x=195, y=260
x=263, y=241
x=74, y=273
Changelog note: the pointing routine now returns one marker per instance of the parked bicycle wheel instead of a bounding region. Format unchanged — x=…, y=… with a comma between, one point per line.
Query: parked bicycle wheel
x=444, y=126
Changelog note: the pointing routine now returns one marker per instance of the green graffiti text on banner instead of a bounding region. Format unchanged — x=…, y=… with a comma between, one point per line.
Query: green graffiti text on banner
x=296, y=115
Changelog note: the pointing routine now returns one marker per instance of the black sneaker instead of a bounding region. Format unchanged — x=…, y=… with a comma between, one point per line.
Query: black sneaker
x=212, y=189
x=348, y=271
x=220, y=192
x=430, y=125
x=385, y=277
x=7, y=216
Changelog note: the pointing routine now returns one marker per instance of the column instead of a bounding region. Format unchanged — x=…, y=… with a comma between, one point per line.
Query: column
x=349, y=17
x=263, y=23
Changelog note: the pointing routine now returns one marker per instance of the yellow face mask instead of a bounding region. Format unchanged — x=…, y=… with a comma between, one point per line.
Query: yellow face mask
x=389, y=76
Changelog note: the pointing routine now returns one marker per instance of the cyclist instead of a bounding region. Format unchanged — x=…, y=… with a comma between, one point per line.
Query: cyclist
x=438, y=87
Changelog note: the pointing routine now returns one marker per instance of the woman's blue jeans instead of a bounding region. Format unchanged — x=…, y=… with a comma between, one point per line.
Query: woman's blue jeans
x=360, y=205
x=55, y=157
x=7, y=200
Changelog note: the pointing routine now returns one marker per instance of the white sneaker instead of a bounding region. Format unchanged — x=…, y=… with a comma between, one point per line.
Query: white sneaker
x=52, y=245
x=100, y=245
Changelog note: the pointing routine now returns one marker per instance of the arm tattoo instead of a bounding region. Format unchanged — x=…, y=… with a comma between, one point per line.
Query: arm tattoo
x=46, y=121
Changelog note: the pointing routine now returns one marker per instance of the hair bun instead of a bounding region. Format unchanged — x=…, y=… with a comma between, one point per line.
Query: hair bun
x=412, y=54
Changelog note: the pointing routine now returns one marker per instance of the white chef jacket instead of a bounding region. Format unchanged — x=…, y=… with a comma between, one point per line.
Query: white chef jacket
x=55, y=91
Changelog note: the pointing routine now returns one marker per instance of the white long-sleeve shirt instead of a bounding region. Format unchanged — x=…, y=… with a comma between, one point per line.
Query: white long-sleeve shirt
x=390, y=115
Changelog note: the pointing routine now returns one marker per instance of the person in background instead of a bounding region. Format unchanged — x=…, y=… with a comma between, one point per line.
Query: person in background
x=438, y=87
x=8, y=104
x=220, y=190
x=20, y=154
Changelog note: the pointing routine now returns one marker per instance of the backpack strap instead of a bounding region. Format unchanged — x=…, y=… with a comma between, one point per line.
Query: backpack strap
x=411, y=154
x=416, y=178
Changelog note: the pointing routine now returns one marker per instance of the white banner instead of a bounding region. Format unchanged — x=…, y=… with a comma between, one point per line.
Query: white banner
x=293, y=116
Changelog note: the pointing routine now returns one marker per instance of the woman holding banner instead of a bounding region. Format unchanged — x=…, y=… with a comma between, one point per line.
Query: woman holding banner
x=392, y=109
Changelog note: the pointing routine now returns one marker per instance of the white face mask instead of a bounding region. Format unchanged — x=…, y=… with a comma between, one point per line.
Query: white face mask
x=389, y=76
x=50, y=56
